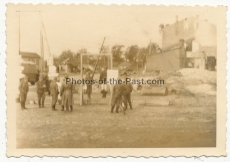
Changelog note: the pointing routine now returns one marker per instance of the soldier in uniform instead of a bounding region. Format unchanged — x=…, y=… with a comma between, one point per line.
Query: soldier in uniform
x=67, y=94
x=116, y=96
x=62, y=91
x=53, y=88
x=41, y=86
x=23, y=88
x=88, y=80
x=126, y=95
x=59, y=90
x=47, y=83
x=103, y=79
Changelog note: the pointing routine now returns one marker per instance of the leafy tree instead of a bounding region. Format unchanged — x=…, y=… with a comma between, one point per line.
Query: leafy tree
x=69, y=58
x=131, y=53
x=117, y=52
x=141, y=57
x=65, y=55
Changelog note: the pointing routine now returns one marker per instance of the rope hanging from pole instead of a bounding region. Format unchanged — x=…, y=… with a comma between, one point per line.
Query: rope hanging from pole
x=98, y=59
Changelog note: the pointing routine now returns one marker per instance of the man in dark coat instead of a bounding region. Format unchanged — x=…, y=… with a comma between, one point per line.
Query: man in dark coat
x=127, y=93
x=41, y=86
x=116, y=96
x=23, y=88
x=53, y=88
x=102, y=81
x=67, y=95
x=47, y=82
x=88, y=80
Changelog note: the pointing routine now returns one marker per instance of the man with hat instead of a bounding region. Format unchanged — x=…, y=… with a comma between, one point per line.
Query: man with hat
x=117, y=94
x=67, y=95
x=88, y=80
x=126, y=95
x=53, y=88
x=102, y=81
x=41, y=86
x=23, y=88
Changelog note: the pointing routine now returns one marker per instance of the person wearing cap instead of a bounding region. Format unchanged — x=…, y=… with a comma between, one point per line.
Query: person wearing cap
x=23, y=88
x=41, y=87
x=126, y=95
x=59, y=89
x=116, y=96
x=88, y=80
x=67, y=95
x=62, y=91
x=53, y=88
x=47, y=82
x=102, y=80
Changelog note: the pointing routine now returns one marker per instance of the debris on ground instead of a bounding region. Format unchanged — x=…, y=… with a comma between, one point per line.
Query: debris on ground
x=192, y=81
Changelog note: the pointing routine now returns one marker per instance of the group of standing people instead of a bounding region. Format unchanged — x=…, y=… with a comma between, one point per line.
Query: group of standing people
x=65, y=90
x=121, y=95
x=53, y=87
x=102, y=79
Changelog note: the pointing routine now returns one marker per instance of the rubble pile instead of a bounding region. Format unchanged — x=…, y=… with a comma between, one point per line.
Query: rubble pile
x=192, y=81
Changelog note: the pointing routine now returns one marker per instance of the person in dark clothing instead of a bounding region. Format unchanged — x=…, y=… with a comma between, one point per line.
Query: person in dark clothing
x=116, y=96
x=117, y=92
x=23, y=88
x=41, y=86
x=126, y=95
x=102, y=81
x=88, y=81
x=54, y=92
x=47, y=82
x=67, y=95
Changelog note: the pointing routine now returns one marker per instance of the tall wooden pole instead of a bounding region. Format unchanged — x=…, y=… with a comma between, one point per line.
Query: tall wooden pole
x=98, y=58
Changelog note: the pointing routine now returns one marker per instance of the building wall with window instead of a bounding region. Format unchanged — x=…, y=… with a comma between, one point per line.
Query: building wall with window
x=189, y=29
x=30, y=56
x=183, y=29
x=197, y=36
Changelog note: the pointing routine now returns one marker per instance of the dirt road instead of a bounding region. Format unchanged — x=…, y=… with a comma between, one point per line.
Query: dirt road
x=93, y=126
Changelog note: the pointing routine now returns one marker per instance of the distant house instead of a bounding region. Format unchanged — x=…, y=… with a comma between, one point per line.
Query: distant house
x=31, y=62
x=30, y=56
x=40, y=63
x=186, y=38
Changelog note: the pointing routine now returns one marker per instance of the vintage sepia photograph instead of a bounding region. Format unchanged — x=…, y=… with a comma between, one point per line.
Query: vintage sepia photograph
x=96, y=76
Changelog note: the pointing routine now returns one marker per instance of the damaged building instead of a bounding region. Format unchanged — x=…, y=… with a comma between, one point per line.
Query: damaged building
x=184, y=44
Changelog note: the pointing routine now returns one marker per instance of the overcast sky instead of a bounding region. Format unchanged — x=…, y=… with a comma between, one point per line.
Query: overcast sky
x=76, y=27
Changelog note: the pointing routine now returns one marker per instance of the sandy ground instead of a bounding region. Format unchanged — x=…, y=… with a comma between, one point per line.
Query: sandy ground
x=190, y=122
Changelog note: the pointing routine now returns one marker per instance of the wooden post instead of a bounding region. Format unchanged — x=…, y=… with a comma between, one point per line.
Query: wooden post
x=81, y=90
